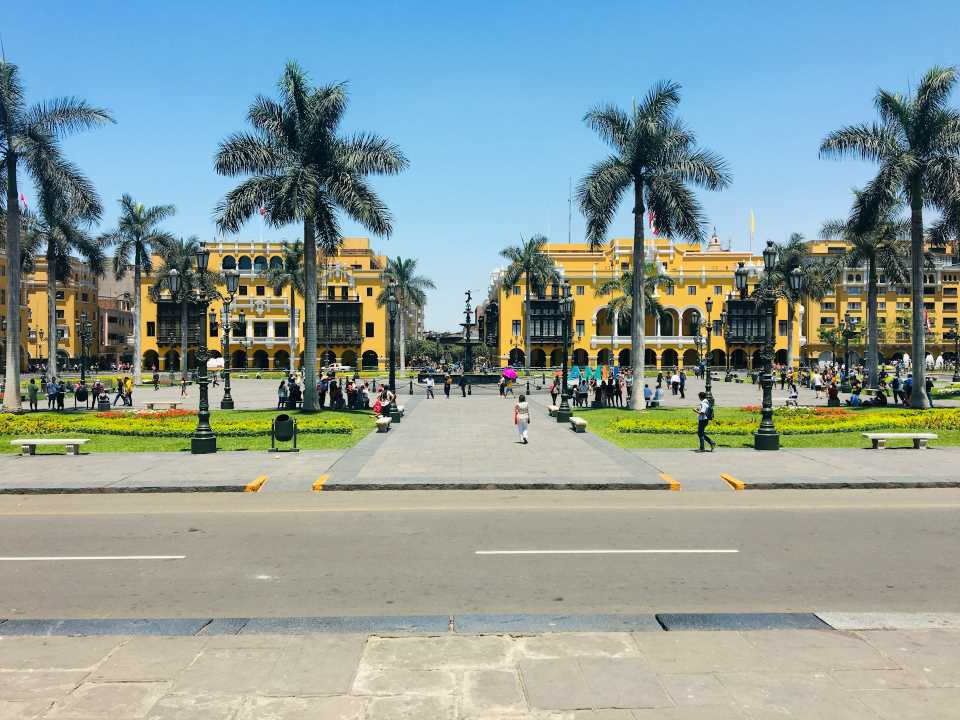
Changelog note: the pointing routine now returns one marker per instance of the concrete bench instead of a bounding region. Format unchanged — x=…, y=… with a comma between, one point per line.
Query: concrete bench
x=578, y=424
x=383, y=424
x=28, y=446
x=879, y=440
x=552, y=409
x=167, y=405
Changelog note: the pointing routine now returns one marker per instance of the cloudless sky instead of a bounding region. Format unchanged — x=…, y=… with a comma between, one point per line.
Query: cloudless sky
x=486, y=100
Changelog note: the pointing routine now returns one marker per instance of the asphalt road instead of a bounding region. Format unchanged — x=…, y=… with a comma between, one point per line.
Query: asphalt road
x=258, y=555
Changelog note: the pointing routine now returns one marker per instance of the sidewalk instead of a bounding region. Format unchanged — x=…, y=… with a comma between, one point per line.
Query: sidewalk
x=653, y=675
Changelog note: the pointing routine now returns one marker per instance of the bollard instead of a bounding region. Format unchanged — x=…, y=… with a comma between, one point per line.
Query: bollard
x=528, y=387
x=469, y=389
x=411, y=387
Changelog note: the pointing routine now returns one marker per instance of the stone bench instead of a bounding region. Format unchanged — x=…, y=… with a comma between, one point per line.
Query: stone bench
x=578, y=424
x=167, y=405
x=383, y=424
x=28, y=446
x=552, y=409
x=879, y=440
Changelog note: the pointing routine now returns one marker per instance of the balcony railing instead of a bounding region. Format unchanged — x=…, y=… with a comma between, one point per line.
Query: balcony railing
x=353, y=298
x=339, y=338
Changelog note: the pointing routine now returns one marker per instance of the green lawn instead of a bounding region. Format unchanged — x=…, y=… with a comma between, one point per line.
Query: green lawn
x=362, y=422
x=600, y=422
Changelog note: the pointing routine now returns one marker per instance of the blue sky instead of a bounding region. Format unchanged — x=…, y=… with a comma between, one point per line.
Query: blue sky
x=486, y=99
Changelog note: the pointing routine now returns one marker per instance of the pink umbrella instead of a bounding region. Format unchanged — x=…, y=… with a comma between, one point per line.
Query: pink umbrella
x=510, y=373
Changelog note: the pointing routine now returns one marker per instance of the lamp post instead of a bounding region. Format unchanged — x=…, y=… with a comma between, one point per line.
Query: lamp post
x=848, y=332
x=232, y=278
x=955, y=336
x=203, y=440
x=767, y=437
x=85, y=331
x=566, y=309
x=708, y=387
x=392, y=313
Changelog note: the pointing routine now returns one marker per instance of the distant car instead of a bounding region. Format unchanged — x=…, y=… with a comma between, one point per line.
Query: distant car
x=337, y=367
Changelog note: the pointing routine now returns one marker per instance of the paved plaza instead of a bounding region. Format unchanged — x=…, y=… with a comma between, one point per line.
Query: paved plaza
x=652, y=675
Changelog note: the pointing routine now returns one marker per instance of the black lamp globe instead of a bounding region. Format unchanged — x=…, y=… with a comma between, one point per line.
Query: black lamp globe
x=796, y=279
x=202, y=257
x=769, y=256
x=232, y=278
x=740, y=276
x=173, y=280
x=709, y=305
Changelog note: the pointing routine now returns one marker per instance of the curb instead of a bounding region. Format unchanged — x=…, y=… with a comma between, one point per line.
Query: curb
x=348, y=486
x=122, y=490
x=480, y=624
x=256, y=484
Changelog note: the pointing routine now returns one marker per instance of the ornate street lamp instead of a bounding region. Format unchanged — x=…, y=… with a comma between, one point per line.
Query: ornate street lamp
x=955, y=336
x=767, y=437
x=740, y=277
x=848, y=332
x=203, y=440
x=392, y=313
x=566, y=310
x=85, y=331
x=795, y=278
x=708, y=388
x=232, y=278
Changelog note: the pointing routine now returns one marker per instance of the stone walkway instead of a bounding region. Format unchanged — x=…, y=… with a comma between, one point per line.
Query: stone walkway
x=803, y=674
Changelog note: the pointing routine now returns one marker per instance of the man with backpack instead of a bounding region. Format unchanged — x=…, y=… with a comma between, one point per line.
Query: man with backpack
x=704, y=415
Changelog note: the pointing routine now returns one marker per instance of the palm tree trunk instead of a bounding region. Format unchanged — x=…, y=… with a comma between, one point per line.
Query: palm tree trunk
x=526, y=323
x=52, y=338
x=403, y=336
x=184, y=337
x=918, y=397
x=293, y=328
x=137, y=310
x=309, y=317
x=791, y=310
x=872, y=329
x=637, y=304
x=11, y=397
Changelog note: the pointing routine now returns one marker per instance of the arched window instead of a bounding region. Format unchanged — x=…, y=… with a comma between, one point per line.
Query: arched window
x=276, y=262
x=245, y=263
x=260, y=264
x=369, y=360
x=229, y=262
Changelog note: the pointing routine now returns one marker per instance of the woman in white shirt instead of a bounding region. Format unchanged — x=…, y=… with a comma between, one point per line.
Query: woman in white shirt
x=521, y=417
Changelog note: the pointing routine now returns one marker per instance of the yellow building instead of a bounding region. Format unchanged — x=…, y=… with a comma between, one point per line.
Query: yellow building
x=351, y=328
x=25, y=337
x=894, y=318
x=75, y=296
x=597, y=339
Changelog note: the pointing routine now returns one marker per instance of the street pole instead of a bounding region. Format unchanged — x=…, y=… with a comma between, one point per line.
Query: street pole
x=233, y=281
x=566, y=304
x=203, y=440
x=767, y=437
x=707, y=384
x=392, y=313
x=956, y=357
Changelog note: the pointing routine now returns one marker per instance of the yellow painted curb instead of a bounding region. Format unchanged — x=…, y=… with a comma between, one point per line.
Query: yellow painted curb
x=674, y=484
x=256, y=484
x=318, y=485
x=732, y=481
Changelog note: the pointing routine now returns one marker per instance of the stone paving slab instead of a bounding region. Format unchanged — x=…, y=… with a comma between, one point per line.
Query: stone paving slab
x=805, y=674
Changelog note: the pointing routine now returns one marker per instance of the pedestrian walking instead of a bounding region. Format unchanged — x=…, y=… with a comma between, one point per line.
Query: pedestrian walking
x=119, y=388
x=675, y=383
x=463, y=384
x=156, y=381
x=447, y=382
x=704, y=412
x=183, y=387
x=61, y=394
x=32, y=392
x=554, y=391
x=283, y=392
x=521, y=417
x=683, y=384
x=502, y=387
x=429, y=384
x=928, y=387
x=128, y=391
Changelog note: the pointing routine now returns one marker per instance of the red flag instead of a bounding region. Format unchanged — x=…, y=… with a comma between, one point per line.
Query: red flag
x=263, y=212
x=652, y=219
x=23, y=200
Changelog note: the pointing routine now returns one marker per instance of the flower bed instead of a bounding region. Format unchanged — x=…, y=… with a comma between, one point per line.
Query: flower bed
x=802, y=421
x=162, y=424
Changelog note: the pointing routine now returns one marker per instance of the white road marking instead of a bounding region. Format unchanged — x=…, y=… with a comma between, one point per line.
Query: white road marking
x=50, y=558
x=665, y=551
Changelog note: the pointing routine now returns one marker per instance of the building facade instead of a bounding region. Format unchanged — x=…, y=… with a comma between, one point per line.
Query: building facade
x=599, y=337
x=823, y=319
x=76, y=297
x=351, y=327
x=116, y=329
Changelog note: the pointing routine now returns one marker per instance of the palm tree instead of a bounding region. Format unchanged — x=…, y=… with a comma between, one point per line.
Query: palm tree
x=60, y=235
x=882, y=243
x=30, y=142
x=289, y=275
x=530, y=262
x=180, y=255
x=410, y=292
x=622, y=289
x=298, y=169
x=135, y=239
x=916, y=145
x=656, y=157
